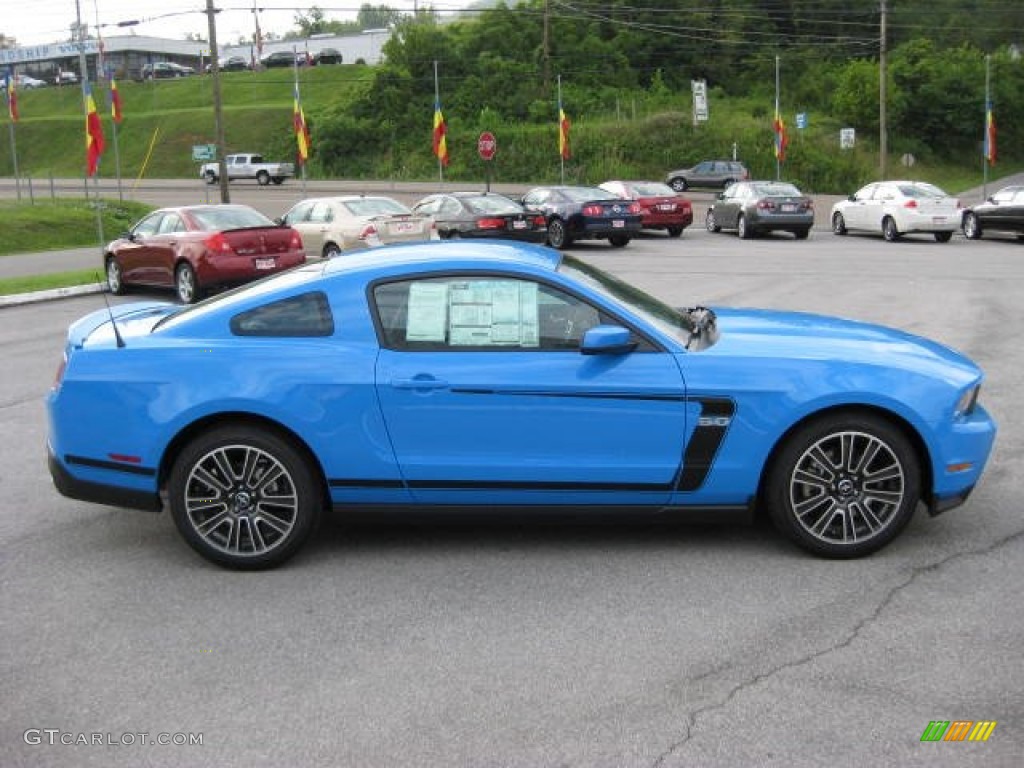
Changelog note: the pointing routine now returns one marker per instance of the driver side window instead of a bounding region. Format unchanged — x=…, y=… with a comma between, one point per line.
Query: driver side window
x=481, y=313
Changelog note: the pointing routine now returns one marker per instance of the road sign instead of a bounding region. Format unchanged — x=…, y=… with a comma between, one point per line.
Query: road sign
x=204, y=152
x=487, y=145
x=847, y=137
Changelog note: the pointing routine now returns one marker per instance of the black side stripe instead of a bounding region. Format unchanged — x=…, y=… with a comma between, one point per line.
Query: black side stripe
x=666, y=397
x=712, y=424
x=117, y=466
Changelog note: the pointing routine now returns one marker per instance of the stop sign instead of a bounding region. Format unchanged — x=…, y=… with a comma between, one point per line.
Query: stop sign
x=486, y=145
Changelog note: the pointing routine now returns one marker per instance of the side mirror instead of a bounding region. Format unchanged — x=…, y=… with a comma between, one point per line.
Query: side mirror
x=607, y=340
x=127, y=236
x=852, y=198
x=279, y=221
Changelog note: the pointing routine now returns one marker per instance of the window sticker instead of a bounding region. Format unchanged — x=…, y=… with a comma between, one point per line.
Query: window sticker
x=428, y=310
x=493, y=313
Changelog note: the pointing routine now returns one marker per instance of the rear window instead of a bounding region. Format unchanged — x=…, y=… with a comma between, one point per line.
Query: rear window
x=776, y=190
x=220, y=219
x=653, y=188
x=308, y=314
x=491, y=204
x=375, y=206
x=583, y=194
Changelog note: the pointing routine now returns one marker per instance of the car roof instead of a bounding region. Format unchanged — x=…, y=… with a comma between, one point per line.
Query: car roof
x=462, y=254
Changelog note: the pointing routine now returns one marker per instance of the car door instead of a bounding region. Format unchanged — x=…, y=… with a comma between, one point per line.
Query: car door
x=138, y=255
x=488, y=399
x=298, y=219
x=727, y=207
x=164, y=246
x=858, y=214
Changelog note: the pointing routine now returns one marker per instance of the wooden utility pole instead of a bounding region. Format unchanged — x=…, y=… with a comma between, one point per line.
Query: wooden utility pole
x=883, y=132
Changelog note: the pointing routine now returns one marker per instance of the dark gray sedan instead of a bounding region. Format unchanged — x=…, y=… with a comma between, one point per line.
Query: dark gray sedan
x=483, y=215
x=1002, y=212
x=585, y=213
x=755, y=207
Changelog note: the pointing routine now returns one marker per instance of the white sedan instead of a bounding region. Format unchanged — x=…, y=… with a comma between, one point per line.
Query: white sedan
x=896, y=208
x=331, y=225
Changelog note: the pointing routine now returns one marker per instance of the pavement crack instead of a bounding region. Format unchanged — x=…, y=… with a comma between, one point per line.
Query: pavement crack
x=852, y=635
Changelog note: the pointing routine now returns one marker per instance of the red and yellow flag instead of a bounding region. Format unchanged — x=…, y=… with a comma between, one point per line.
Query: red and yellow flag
x=301, y=128
x=115, y=102
x=781, y=140
x=93, y=134
x=12, y=96
x=990, y=134
x=440, y=135
x=563, y=134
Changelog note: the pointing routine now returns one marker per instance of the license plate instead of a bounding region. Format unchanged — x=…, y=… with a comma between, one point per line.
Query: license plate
x=265, y=263
x=667, y=207
x=518, y=225
x=788, y=208
x=403, y=227
x=618, y=223
x=938, y=219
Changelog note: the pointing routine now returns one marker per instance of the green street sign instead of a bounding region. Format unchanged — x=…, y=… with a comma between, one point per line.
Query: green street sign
x=204, y=152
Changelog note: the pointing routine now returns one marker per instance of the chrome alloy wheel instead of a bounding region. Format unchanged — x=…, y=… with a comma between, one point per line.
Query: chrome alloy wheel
x=241, y=501
x=847, y=488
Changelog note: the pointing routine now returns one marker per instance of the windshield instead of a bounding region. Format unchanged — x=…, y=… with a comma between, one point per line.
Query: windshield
x=375, y=206
x=223, y=218
x=669, y=320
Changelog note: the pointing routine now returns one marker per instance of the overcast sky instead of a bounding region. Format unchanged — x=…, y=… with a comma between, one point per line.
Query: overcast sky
x=33, y=22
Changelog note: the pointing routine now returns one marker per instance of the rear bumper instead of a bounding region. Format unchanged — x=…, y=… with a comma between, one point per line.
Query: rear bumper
x=99, y=493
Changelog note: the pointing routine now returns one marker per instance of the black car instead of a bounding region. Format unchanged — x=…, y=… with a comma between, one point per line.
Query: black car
x=278, y=59
x=482, y=214
x=327, y=56
x=1002, y=212
x=584, y=213
x=231, y=64
x=756, y=207
x=165, y=70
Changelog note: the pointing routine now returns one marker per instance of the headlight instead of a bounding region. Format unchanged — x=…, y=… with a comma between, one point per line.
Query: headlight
x=965, y=404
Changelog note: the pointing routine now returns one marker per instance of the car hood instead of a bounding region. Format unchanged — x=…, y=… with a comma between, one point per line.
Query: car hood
x=132, y=320
x=803, y=336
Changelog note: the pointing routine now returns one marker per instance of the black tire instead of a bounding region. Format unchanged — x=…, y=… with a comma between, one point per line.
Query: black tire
x=838, y=224
x=744, y=231
x=278, y=180
x=844, y=485
x=619, y=241
x=262, y=178
x=972, y=226
x=943, y=237
x=801, y=234
x=709, y=222
x=115, y=281
x=185, y=284
x=557, y=236
x=211, y=177
x=675, y=231
x=678, y=184
x=331, y=250
x=889, y=230
x=243, y=497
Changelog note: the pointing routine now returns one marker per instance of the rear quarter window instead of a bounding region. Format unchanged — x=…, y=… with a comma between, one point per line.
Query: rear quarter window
x=305, y=315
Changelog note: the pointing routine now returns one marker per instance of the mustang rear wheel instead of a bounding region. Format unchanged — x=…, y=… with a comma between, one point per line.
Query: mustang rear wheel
x=243, y=497
x=557, y=236
x=844, y=485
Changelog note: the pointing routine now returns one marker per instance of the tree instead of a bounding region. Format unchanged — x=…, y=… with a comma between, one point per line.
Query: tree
x=312, y=23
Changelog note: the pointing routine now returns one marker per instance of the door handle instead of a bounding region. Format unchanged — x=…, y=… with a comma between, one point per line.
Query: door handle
x=419, y=382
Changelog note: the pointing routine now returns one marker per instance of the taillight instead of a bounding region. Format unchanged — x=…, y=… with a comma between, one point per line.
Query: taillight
x=634, y=208
x=765, y=205
x=58, y=377
x=217, y=243
x=368, y=231
x=593, y=210
x=490, y=223
x=808, y=205
x=296, y=241
x=539, y=221
x=910, y=204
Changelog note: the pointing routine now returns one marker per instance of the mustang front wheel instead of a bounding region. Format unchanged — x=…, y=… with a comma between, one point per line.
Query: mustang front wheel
x=844, y=485
x=243, y=497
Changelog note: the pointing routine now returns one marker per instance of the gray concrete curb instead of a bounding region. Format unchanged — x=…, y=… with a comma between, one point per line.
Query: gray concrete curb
x=16, y=299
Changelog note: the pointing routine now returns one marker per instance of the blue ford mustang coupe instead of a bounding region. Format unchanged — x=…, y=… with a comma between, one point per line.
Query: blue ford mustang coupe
x=501, y=374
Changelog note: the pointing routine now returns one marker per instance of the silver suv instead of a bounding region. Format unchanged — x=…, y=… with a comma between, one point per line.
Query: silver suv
x=709, y=173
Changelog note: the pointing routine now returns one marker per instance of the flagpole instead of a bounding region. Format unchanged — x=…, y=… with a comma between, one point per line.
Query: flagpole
x=558, y=117
x=14, y=145
x=86, y=94
x=437, y=103
x=778, y=162
x=986, y=138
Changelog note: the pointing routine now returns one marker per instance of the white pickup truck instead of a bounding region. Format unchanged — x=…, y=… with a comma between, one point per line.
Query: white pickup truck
x=245, y=166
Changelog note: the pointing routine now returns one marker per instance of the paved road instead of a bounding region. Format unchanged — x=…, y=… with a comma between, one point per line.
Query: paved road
x=513, y=642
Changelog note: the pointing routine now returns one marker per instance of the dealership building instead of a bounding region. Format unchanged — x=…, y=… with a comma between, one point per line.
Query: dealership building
x=124, y=56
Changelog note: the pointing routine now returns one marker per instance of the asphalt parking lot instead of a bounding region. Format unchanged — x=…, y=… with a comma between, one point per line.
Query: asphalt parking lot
x=549, y=641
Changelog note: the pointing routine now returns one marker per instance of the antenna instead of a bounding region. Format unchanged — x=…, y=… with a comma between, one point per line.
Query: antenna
x=113, y=322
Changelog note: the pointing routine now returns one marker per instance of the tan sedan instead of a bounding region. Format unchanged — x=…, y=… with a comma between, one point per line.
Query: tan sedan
x=331, y=225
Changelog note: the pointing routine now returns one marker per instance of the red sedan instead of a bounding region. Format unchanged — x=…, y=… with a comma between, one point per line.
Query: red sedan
x=660, y=206
x=196, y=248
